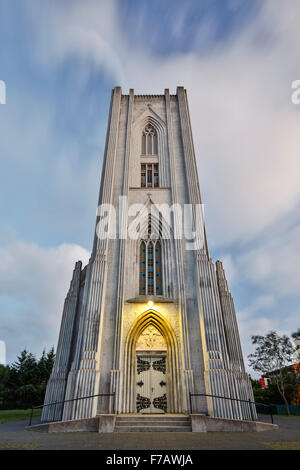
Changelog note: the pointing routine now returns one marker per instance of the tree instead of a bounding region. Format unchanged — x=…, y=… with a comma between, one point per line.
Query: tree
x=296, y=338
x=44, y=365
x=24, y=382
x=273, y=356
x=4, y=377
x=258, y=391
x=296, y=335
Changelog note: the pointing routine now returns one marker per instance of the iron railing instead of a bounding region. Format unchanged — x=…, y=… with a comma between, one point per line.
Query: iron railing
x=249, y=402
x=268, y=406
x=67, y=401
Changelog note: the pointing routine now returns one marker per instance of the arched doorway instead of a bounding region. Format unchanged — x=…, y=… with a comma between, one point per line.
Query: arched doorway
x=151, y=339
x=151, y=372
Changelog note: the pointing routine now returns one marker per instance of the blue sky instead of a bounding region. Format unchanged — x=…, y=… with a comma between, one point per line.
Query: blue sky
x=60, y=60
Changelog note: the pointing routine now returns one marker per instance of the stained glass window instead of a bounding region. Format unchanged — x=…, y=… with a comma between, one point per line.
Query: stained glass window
x=155, y=176
x=149, y=175
x=143, y=268
x=149, y=225
x=143, y=176
x=150, y=267
x=158, y=276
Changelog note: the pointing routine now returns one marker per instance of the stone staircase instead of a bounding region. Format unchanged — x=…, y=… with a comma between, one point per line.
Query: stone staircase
x=153, y=423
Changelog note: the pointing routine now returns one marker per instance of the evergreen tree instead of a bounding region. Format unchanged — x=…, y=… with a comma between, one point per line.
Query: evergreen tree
x=23, y=384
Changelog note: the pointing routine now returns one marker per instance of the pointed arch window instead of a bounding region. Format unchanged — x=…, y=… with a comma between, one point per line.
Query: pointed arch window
x=149, y=141
x=143, y=264
x=150, y=265
x=158, y=269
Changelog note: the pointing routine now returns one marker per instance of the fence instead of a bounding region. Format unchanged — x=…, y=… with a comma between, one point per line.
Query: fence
x=57, y=408
x=241, y=410
x=281, y=409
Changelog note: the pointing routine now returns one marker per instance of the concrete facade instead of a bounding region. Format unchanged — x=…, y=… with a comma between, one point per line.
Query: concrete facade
x=105, y=314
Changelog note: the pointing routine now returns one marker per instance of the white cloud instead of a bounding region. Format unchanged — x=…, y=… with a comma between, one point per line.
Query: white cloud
x=245, y=127
x=230, y=268
x=35, y=280
x=260, y=303
x=81, y=30
x=253, y=321
x=246, y=130
x=261, y=317
x=274, y=263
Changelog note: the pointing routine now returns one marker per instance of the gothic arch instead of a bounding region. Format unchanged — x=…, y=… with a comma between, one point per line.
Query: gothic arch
x=162, y=231
x=160, y=226
x=149, y=140
x=149, y=117
x=151, y=317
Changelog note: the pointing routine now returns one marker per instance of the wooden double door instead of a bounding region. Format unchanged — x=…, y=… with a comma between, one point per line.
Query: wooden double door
x=151, y=384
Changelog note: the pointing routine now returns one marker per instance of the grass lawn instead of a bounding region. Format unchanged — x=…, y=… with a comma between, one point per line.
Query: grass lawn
x=16, y=415
x=288, y=416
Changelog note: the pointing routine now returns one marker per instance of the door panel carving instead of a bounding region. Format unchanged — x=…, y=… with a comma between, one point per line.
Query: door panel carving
x=151, y=386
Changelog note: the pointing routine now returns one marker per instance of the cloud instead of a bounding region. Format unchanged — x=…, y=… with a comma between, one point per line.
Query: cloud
x=246, y=129
x=274, y=263
x=258, y=304
x=229, y=267
x=49, y=177
x=33, y=284
x=78, y=30
x=259, y=318
x=253, y=320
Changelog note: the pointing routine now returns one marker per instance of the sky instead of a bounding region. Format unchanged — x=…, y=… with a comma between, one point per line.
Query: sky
x=60, y=59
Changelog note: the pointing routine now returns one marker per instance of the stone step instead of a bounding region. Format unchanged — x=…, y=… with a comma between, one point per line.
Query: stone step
x=153, y=423
x=158, y=420
x=153, y=418
x=154, y=428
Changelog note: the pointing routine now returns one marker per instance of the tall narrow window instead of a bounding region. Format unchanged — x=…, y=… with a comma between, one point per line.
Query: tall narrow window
x=143, y=176
x=155, y=175
x=150, y=268
x=143, y=276
x=149, y=141
x=144, y=138
x=149, y=175
x=158, y=276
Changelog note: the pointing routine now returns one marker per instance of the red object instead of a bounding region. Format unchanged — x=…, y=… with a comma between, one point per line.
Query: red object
x=262, y=383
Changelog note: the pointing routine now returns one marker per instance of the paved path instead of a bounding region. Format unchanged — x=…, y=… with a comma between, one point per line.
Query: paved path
x=16, y=425
x=13, y=436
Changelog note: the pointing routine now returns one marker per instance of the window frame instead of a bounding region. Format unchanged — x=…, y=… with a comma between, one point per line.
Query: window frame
x=149, y=175
x=149, y=141
x=150, y=263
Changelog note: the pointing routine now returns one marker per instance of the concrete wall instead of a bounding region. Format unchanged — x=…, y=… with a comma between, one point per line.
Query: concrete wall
x=202, y=423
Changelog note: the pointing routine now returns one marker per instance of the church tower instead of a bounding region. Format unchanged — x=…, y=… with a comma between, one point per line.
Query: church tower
x=150, y=321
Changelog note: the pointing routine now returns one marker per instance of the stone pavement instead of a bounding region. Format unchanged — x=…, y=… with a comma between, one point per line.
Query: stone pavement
x=14, y=436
